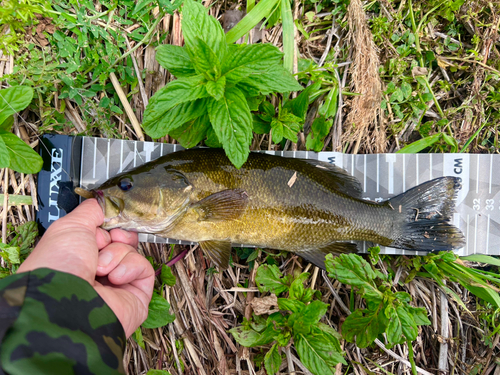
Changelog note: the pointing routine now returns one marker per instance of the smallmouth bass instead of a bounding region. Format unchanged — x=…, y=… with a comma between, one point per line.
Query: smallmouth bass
x=308, y=207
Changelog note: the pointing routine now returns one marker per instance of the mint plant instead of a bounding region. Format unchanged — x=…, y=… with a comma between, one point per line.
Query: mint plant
x=317, y=344
x=387, y=312
x=14, y=153
x=215, y=82
x=288, y=121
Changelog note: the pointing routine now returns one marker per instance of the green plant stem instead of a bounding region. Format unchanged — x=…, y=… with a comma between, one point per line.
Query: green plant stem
x=250, y=5
x=411, y=358
x=427, y=84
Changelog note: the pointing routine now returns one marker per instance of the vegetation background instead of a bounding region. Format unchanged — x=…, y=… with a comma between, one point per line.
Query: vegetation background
x=382, y=76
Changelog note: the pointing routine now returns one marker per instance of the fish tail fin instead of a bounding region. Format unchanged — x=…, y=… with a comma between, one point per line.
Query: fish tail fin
x=425, y=213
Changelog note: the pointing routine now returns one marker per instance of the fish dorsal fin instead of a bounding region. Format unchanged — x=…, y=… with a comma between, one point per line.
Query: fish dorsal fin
x=338, y=178
x=317, y=256
x=223, y=205
x=218, y=252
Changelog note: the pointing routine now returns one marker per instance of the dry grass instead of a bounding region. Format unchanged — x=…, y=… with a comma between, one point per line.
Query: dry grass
x=207, y=305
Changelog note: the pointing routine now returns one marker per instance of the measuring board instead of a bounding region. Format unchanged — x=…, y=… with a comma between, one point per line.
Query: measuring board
x=381, y=176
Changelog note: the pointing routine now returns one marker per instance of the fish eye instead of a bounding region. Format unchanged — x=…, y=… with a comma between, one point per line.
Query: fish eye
x=125, y=184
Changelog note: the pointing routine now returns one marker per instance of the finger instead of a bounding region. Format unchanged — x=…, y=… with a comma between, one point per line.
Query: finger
x=87, y=215
x=123, y=236
x=111, y=256
x=133, y=267
x=103, y=238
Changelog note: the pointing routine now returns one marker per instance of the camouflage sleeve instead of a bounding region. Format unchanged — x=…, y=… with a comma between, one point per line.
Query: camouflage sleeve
x=55, y=323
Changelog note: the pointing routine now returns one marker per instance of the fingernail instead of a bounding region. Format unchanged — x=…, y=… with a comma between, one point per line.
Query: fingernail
x=105, y=259
x=120, y=271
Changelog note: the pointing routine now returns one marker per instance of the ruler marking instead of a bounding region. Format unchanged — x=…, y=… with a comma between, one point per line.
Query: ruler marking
x=488, y=235
x=404, y=174
x=107, y=161
x=430, y=166
x=378, y=173
x=121, y=156
x=81, y=168
x=477, y=175
x=95, y=156
x=364, y=173
x=161, y=149
x=135, y=153
x=491, y=172
x=175, y=149
x=416, y=174
x=475, y=235
x=467, y=236
x=352, y=165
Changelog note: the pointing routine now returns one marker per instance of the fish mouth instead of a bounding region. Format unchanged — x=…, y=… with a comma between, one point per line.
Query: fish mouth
x=111, y=207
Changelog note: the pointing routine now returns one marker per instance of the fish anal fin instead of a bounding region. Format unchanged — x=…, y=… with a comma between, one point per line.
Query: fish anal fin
x=317, y=256
x=218, y=252
x=338, y=178
x=223, y=205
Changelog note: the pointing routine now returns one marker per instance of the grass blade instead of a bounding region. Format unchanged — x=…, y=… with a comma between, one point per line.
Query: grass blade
x=288, y=34
x=420, y=144
x=261, y=10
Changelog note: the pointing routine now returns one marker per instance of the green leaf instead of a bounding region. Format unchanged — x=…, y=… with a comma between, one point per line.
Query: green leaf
x=318, y=353
x=486, y=259
x=254, y=102
x=7, y=124
x=329, y=107
x=138, y=338
x=4, y=154
x=10, y=253
x=397, y=96
x=175, y=59
x=419, y=315
x=167, y=277
x=408, y=324
x=261, y=10
x=176, y=117
x=276, y=79
x=296, y=289
x=272, y=360
x=320, y=128
x=295, y=306
x=365, y=325
x=157, y=372
x=192, y=132
x=176, y=92
x=216, y=88
x=242, y=60
x=212, y=139
x=13, y=100
x=288, y=35
x=300, y=104
x=260, y=126
x=196, y=23
x=232, y=122
x=406, y=90
x=250, y=338
x=269, y=279
x=22, y=157
x=421, y=144
x=314, y=312
x=277, y=128
x=394, y=330
x=158, y=315
x=204, y=58
x=350, y=269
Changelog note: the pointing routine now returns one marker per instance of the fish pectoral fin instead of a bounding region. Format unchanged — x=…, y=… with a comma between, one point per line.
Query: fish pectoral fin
x=317, y=256
x=218, y=252
x=223, y=205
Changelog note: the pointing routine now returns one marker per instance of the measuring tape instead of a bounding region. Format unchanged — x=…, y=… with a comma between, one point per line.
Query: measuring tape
x=381, y=176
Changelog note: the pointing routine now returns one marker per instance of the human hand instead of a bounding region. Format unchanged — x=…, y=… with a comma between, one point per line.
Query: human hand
x=109, y=261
